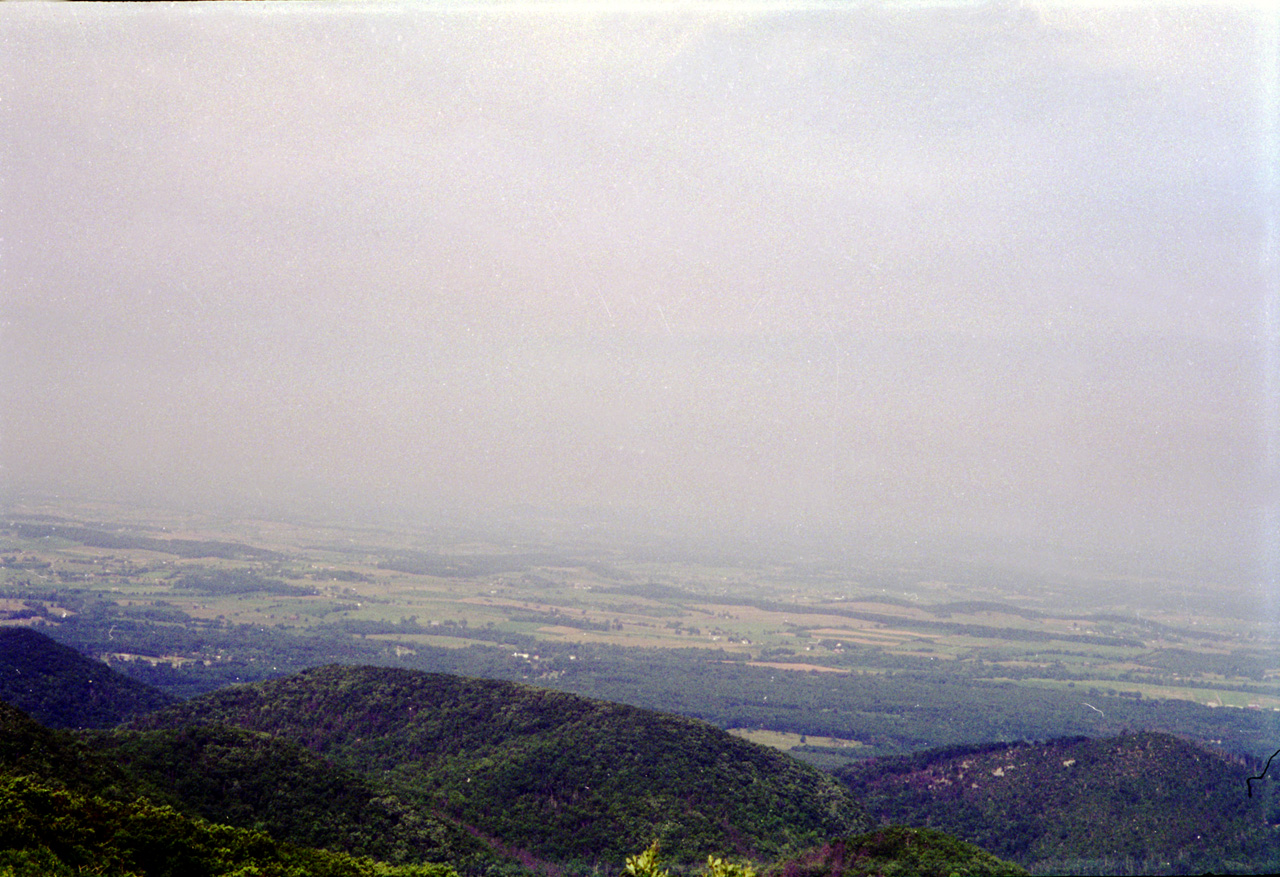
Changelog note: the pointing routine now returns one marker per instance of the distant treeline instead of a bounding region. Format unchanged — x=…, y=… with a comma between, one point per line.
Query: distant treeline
x=180, y=547
x=238, y=581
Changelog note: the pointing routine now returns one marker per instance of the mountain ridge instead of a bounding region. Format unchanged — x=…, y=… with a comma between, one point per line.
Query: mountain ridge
x=1140, y=802
x=63, y=688
x=559, y=776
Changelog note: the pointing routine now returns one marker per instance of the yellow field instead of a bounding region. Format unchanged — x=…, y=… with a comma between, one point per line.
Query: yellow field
x=783, y=740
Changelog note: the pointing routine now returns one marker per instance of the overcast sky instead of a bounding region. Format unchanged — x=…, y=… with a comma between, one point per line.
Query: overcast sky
x=911, y=272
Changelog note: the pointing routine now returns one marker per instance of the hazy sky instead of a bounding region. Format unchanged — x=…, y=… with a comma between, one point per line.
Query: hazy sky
x=918, y=272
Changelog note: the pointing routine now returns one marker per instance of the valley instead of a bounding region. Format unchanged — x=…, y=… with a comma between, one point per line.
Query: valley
x=858, y=658
x=367, y=770
x=410, y=702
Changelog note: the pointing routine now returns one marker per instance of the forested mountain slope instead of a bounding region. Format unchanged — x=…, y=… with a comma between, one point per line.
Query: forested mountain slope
x=249, y=779
x=207, y=799
x=67, y=810
x=61, y=688
x=62, y=814
x=1137, y=803
x=560, y=777
x=46, y=831
x=28, y=748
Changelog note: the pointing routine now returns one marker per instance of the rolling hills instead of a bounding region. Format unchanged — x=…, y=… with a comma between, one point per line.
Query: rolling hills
x=546, y=775
x=411, y=767
x=66, y=810
x=248, y=779
x=497, y=778
x=1138, y=803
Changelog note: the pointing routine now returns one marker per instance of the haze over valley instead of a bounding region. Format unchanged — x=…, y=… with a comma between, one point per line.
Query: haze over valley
x=878, y=401
x=990, y=279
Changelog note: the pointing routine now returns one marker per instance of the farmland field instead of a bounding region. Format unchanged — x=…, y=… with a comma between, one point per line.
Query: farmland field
x=894, y=657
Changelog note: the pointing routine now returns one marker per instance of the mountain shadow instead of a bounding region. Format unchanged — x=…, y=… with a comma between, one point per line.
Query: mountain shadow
x=61, y=688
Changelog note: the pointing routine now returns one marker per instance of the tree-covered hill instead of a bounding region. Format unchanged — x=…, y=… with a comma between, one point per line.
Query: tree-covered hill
x=1137, y=803
x=61, y=688
x=558, y=777
x=66, y=810
x=54, y=832
x=28, y=748
x=252, y=780
x=494, y=778
x=46, y=831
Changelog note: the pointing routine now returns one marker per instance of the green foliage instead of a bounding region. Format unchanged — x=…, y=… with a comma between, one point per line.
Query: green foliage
x=718, y=867
x=57, y=758
x=382, y=869
x=69, y=809
x=251, y=780
x=45, y=831
x=891, y=851
x=646, y=864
